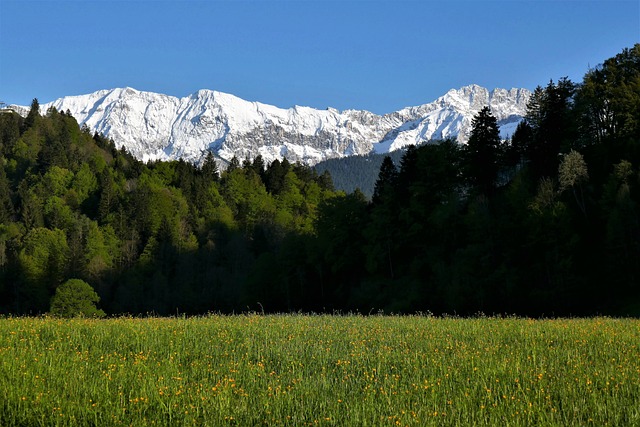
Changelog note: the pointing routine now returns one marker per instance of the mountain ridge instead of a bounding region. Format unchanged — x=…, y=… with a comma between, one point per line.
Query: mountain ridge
x=156, y=126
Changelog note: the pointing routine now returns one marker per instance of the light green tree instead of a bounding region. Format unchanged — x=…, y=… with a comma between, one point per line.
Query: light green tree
x=571, y=174
x=75, y=297
x=42, y=260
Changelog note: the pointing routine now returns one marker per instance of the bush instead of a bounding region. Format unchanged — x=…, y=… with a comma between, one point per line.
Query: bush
x=75, y=297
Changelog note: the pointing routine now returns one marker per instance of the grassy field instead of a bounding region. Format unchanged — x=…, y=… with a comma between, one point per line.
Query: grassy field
x=319, y=370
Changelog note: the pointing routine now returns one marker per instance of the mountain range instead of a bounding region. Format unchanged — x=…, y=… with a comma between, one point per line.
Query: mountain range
x=155, y=126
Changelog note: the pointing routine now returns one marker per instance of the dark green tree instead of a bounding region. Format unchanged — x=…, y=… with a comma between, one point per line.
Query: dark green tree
x=516, y=151
x=381, y=231
x=6, y=205
x=10, y=125
x=609, y=98
x=386, y=183
x=340, y=246
x=210, y=168
x=259, y=167
x=274, y=175
x=551, y=116
x=325, y=181
x=31, y=205
x=32, y=116
x=246, y=163
x=234, y=164
x=407, y=173
x=483, y=152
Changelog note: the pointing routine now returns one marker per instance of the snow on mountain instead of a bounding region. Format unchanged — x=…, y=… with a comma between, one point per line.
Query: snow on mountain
x=155, y=126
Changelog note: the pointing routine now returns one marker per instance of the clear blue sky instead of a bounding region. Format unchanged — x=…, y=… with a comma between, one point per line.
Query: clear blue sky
x=374, y=55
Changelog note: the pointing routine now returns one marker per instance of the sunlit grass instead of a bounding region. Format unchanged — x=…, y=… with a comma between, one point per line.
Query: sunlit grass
x=319, y=370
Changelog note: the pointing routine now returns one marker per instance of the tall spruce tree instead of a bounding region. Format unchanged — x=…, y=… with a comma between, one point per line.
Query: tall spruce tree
x=483, y=152
x=34, y=113
x=234, y=164
x=386, y=182
x=551, y=117
x=210, y=168
x=408, y=173
x=6, y=204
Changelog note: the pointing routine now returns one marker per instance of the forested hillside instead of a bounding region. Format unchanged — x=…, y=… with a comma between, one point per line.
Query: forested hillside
x=161, y=237
x=546, y=223
x=356, y=172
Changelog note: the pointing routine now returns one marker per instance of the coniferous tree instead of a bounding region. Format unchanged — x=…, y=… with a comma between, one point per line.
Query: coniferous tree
x=341, y=245
x=10, y=125
x=407, y=174
x=483, y=152
x=246, y=163
x=275, y=174
x=234, y=164
x=34, y=113
x=551, y=117
x=210, y=168
x=516, y=151
x=325, y=181
x=387, y=178
x=6, y=205
x=259, y=167
x=273, y=177
x=382, y=230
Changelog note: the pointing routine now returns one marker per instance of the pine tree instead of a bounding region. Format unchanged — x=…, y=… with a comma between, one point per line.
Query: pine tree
x=210, y=168
x=515, y=155
x=234, y=164
x=275, y=174
x=259, y=167
x=10, y=125
x=483, y=152
x=6, y=205
x=326, y=181
x=408, y=174
x=246, y=163
x=551, y=117
x=34, y=113
x=386, y=182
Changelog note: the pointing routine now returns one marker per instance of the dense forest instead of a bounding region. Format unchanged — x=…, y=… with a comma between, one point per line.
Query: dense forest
x=357, y=172
x=547, y=223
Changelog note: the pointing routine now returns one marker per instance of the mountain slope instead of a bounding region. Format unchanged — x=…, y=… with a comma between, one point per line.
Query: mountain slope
x=155, y=126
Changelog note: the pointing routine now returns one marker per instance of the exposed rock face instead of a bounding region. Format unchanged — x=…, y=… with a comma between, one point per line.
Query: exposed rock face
x=155, y=126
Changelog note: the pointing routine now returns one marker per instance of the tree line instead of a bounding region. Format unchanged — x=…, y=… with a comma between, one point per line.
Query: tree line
x=543, y=224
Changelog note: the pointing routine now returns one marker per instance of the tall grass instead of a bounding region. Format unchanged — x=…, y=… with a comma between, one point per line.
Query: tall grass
x=319, y=370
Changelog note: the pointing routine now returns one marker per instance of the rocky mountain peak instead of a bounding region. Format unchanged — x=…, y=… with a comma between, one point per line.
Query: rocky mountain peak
x=156, y=126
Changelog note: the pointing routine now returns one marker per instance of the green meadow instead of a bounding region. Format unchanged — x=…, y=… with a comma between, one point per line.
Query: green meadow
x=301, y=370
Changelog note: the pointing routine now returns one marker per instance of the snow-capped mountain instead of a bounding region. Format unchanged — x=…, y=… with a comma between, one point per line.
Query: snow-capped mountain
x=155, y=126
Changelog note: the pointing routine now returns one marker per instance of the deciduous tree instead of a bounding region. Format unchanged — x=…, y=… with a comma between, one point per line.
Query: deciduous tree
x=74, y=298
